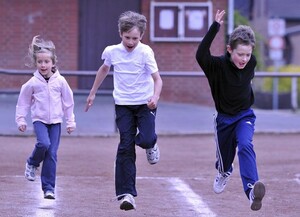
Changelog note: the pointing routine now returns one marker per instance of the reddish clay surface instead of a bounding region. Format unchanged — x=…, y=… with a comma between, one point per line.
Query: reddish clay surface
x=85, y=179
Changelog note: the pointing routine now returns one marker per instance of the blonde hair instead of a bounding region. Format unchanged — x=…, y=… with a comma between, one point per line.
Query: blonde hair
x=41, y=46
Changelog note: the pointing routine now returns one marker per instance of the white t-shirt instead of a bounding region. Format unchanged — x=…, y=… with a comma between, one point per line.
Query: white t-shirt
x=133, y=83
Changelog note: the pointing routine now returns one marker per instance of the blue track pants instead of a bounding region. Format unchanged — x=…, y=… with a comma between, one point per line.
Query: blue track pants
x=233, y=132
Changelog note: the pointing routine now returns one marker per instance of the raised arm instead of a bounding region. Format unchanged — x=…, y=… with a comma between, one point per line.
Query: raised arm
x=203, y=55
x=219, y=16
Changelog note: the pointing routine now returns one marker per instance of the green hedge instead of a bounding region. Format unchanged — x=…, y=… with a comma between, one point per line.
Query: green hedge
x=284, y=84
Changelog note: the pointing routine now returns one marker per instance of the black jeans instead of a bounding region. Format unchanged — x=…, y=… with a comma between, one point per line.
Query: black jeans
x=136, y=125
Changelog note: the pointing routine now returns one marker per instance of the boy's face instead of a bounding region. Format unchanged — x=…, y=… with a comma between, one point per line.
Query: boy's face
x=240, y=56
x=131, y=38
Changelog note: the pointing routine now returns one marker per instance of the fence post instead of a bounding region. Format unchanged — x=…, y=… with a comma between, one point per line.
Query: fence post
x=294, y=93
x=275, y=93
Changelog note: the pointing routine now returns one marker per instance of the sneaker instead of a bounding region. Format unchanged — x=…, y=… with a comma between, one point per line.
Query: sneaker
x=30, y=172
x=221, y=181
x=153, y=154
x=49, y=195
x=127, y=202
x=256, y=195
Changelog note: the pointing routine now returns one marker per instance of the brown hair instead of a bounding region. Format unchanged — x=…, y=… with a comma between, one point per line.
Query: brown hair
x=130, y=19
x=242, y=35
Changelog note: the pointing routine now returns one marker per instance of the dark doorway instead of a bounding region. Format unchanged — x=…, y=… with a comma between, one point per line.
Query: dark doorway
x=98, y=28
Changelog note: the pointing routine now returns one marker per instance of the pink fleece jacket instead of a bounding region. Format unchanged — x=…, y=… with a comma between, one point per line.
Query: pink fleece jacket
x=49, y=101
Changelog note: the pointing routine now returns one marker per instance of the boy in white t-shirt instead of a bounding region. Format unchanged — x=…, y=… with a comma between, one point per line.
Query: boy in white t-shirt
x=137, y=87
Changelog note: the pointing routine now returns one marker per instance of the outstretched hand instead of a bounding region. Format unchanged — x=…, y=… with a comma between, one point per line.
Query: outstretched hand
x=89, y=102
x=219, y=16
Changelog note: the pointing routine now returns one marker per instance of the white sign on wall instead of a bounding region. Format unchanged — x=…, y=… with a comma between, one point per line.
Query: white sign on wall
x=276, y=31
x=179, y=21
x=276, y=27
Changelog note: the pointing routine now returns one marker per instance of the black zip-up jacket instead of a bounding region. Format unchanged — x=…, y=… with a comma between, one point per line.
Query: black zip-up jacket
x=230, y=87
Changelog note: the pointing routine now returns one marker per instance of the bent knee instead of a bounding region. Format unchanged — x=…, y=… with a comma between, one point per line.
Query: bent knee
x=146, y=144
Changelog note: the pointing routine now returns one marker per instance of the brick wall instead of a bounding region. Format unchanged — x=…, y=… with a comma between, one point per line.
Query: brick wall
x=54, y=20
x=57, y=20
x=180, y=56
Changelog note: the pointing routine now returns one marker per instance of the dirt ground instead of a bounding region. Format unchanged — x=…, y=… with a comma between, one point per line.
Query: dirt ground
x=180, y=185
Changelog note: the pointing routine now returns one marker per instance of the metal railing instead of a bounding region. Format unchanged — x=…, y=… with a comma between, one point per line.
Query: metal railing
x=274, y=75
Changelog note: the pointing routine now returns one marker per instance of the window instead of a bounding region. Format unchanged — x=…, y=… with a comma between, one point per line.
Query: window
x=172, y=21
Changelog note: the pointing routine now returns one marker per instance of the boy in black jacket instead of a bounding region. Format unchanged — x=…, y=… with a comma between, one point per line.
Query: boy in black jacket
x=230, y=77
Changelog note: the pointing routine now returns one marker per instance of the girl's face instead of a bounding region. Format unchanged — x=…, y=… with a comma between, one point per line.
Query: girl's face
x=241, y=55
x=44, y=64
x=131, y=38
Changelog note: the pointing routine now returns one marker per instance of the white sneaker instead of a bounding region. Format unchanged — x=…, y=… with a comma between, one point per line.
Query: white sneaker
x=127, y=202
x=49, y=195
x=153, y=154
x=256, y=195
x=30, y=172
x=221, y=181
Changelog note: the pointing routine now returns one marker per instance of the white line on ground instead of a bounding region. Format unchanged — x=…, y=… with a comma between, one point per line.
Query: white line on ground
x=190, y=196
x=297, y=179
x=193, y=199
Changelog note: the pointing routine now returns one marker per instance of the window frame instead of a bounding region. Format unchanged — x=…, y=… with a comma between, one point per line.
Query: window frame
x=179, y=31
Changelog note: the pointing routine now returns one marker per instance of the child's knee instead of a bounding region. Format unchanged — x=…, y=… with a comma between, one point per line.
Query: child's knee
x=147, y=143
x=43, y=145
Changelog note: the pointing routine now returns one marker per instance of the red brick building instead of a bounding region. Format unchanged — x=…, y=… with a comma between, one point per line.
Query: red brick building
x=81, y=29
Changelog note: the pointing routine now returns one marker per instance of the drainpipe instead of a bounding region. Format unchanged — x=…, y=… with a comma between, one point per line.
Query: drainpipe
x=230, y=17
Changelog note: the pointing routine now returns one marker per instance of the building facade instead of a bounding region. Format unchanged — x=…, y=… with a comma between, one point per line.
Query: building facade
x=81, y=29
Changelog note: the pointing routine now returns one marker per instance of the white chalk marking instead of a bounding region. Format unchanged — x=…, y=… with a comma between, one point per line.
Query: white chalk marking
x=46, y=207
x=192, y=198
x=297, y=179
x=189, y=195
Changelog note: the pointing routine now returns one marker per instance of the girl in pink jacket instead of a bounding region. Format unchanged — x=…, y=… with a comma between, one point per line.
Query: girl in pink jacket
x=49, y=98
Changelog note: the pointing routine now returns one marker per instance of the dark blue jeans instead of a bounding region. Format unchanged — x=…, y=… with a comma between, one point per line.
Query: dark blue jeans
x=129, y=118
x=45, y=150
x=236, y=132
